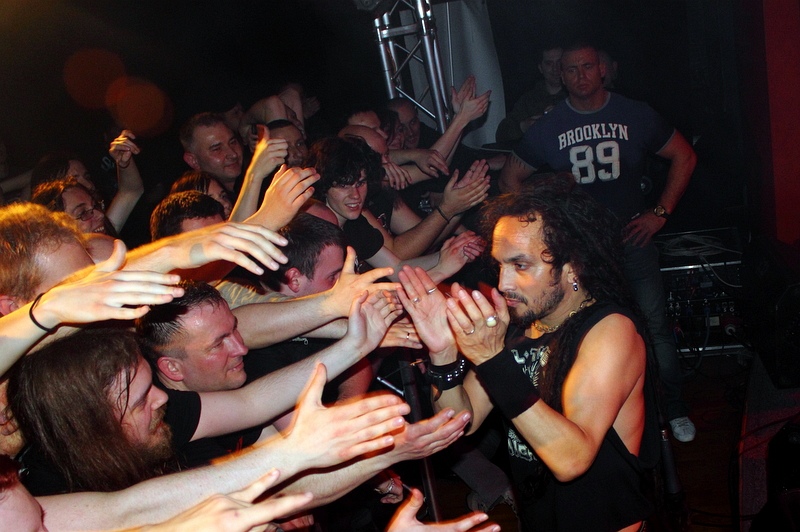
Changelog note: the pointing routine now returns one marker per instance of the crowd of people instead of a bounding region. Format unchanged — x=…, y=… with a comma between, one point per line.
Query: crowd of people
x=223, y=376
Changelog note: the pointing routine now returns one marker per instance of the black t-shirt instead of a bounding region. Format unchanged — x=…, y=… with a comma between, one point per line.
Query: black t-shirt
x=609, y=496
x=260, y=362
x=364, y=238
x=183, y=416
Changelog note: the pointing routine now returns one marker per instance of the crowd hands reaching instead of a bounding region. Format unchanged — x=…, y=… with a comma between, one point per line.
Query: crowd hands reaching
x=294, y=247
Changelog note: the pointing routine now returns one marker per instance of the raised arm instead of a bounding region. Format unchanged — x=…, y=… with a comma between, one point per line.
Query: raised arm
x=268, y=154
x=264, y=324
x=468, y=107
x=129, y=182
x=102, y=292
x=275, y=393
x=426, y=305
x=414, y=236
x=290, y=189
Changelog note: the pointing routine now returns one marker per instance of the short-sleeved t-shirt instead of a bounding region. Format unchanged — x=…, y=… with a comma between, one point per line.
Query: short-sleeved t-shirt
x=604, y=149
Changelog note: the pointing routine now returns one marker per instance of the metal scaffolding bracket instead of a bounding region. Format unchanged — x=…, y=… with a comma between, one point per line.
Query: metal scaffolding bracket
x=396, y=57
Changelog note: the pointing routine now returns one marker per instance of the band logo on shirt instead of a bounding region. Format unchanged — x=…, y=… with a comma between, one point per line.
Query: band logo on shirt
x=592, y=132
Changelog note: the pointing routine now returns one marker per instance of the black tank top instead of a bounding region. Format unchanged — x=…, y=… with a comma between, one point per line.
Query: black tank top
x=609, y=496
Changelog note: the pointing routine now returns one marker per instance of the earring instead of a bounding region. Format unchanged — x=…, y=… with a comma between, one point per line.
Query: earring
x=574, y=286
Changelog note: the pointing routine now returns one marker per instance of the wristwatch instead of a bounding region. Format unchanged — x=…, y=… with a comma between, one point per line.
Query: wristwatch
x=661, y=212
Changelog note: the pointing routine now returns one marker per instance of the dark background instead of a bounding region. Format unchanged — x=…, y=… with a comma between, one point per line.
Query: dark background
x=680, y=56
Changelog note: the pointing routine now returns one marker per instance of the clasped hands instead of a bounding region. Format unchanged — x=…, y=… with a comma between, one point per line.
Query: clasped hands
x=462, y=321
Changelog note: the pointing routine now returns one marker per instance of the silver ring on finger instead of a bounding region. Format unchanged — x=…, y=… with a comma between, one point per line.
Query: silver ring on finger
x=432, y=290
x=415, y=300
x=469, y=332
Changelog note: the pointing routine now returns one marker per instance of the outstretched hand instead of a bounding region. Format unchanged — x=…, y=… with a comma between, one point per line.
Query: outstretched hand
x=425, y=304
x=230, y=241
x=429, y=436
x=370, y=317
x=106, y=293
x=289, y=190
x=405, y=519
x=326, y=437
x=122, y=149
x=268, y=153
x=465, y=92
x=461, y=195
x=351, y=284
x=236, y=511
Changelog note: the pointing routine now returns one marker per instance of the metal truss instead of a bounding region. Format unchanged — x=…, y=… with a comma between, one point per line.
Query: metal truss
x=396, y=57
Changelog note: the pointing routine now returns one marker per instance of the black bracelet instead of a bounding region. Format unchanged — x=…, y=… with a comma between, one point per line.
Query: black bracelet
x=440, y=211
x=30, y=314
x=448, y=376
x=511, y=390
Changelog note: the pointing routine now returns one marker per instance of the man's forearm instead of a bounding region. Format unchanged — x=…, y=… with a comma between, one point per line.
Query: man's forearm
x=418, y=239
x=264, y=324
x=680, y=172
x=163, y=497
x=329, y=484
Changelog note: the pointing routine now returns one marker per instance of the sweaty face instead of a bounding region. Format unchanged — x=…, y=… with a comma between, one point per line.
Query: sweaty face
x=298, y=150
x=347, y=201
x=216, y=191
x=82, y=207
x=216, y=150
x=526, y=280
x=329, y=266
x=142, y=416
x=582, y=73
x=80, y=173
x=214, y=349
x=410, y=122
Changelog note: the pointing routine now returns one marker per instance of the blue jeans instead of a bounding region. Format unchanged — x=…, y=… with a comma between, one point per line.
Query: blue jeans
x=644, y=279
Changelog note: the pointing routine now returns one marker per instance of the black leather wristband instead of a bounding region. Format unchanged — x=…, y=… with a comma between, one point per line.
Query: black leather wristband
x=447, y=376
x=510, y=389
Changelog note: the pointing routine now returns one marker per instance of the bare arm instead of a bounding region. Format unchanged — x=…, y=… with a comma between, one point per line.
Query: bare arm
x=412, y=442
x=682, y=162
x=268, y=154
x=263, y=324
x=259, y=401
x=468, y=108
x=415, y=236
x=98, y=293
x=321, y=437
x=129, y=182
x=232, y=242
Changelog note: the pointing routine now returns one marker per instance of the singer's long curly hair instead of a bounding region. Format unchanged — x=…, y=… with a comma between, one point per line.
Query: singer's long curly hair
x=576, y=230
